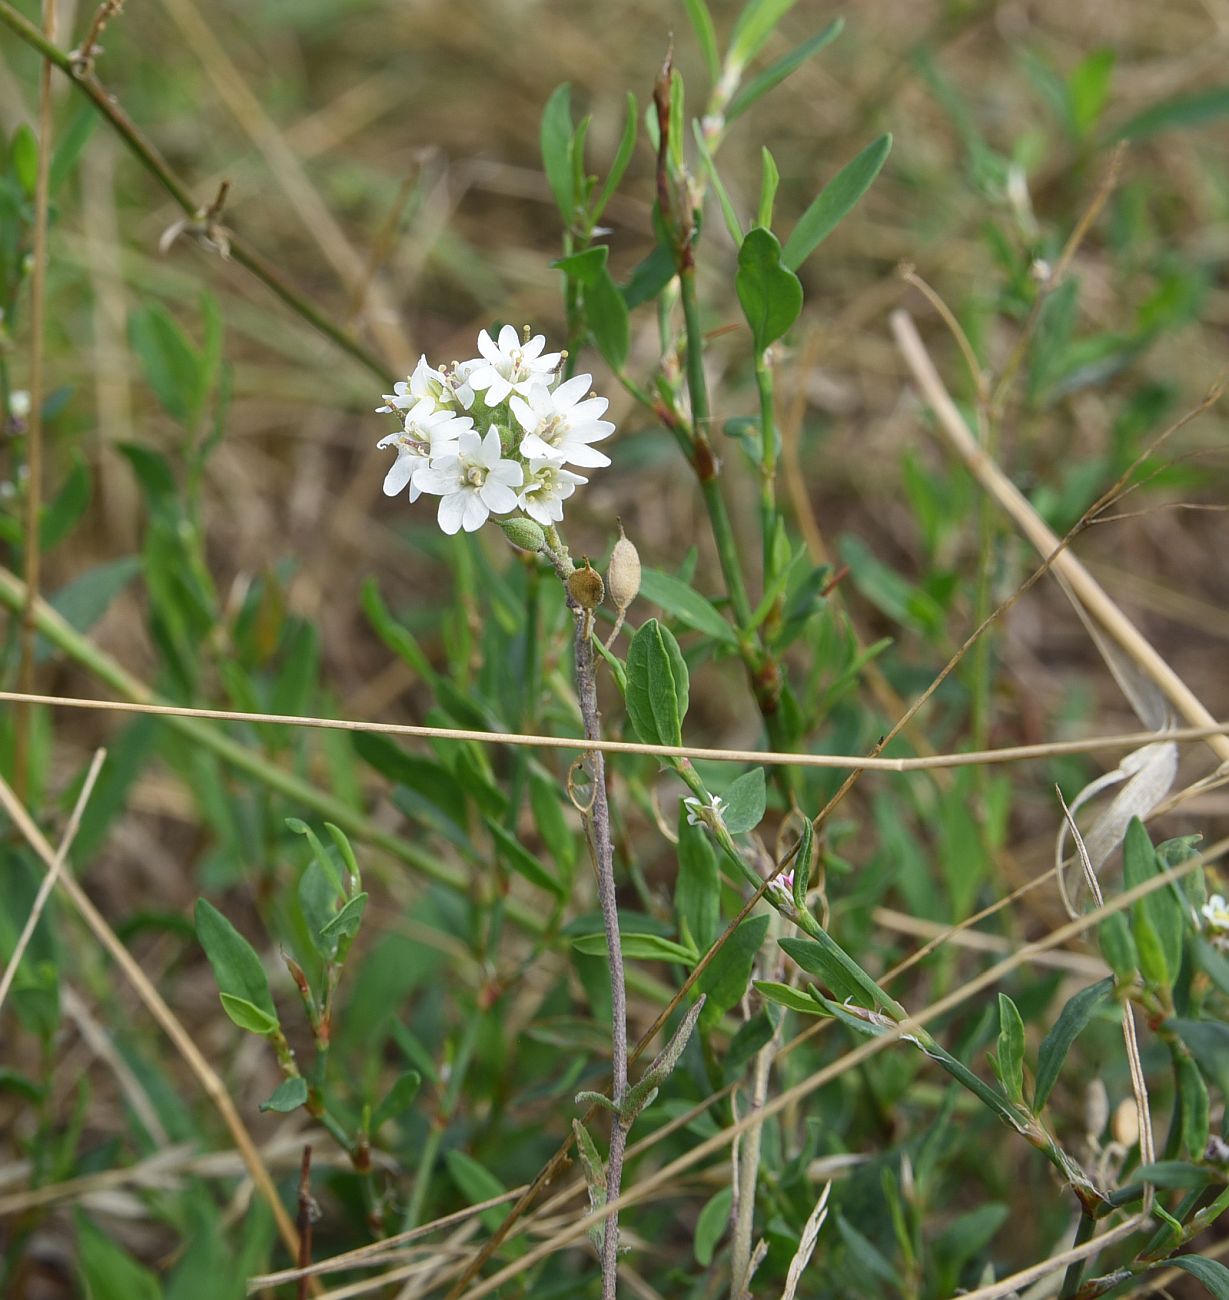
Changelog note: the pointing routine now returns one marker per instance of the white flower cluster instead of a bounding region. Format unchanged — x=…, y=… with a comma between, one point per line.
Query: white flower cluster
x=494, y=434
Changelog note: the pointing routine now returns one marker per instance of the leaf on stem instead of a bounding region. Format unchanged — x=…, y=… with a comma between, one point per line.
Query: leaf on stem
x=769, y=293
x=834, y=202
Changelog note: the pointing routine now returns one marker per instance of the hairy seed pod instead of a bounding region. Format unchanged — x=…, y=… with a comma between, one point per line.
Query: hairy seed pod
x=586, y=586
x=523, y=533
x=623, y=575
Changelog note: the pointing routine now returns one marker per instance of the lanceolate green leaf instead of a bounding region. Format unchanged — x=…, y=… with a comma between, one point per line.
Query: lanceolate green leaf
x=657, y=685
x=608, y=319
x=776, y=73
x=686, y=604
x=834, y=202
x=623, y=155
x=556, y=142
x=725, y=977
x=1057, y=1043
x=1211, y=1273
x=516, y=856
x=745, y=802
x=236, y=967
x=770, y=295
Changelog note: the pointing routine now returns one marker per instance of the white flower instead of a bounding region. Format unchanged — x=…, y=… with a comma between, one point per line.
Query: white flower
x=447, y=386
x=700, y=814
x=19, y=403
x=475, y=482
x=424, y=382
x=547, y=486
x=562, y=424
x=428, y=432
x=510, y=365
x=1216, y=913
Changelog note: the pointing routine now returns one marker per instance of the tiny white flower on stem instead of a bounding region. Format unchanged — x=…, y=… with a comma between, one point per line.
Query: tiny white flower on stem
x=563, y=424
x=424, y=382
x=701, y=814
x=547, y=486
x=427, y=432
x=1216, y=913
x=474, y=482
x=510, y=365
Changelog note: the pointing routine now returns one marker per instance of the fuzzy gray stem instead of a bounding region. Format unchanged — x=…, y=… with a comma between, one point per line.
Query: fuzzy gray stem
x=603, y=859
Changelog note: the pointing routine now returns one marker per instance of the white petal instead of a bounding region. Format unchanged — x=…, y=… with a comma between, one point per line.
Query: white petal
x=386, y=441
x=491, y=452
x=399, y=474
x=452, y=511
x=533, y=347
x=497, y=390
x=476, y=512
x=497, y=497
x=469, y=443
x=524, y=413
x=572, y=390
x=487, y=347
x=533, y=448
x=593, y=431
x=590, y=409
x=436, y=481
x=509, y=472
x=509, y=339
x=579, y=454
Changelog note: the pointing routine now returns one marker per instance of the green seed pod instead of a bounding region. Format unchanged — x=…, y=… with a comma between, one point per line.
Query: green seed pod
x=623, y=575
x=586, y=587
x=523, y=533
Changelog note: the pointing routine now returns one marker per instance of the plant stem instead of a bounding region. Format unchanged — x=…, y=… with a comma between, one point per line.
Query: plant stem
x=1075, y=1270
x=603, y=861
x=702, y=457
x=239, y=251
x=768, y=465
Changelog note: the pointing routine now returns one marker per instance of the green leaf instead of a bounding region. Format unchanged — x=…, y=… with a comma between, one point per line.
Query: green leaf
x=752, y=1035
x=1173, y=1173
x=834, y=202
x=1071, y=1021
x=1193, y=1094
x=729, y=215
x=236, y=967
x=1182, y=111
x=171, y=363
x=1010, y=1063
x=623, y=156
x=641, y=947
x=60, y=516
x=397, y=1100
x=583, y=267
x=770, y=177
x=754, y=26
x=802, y=865
x=1118, y=947
x=109, y=1273
x=347, y=921
x=776, y=73
x=476, y=1183
x=770, y=295
x=697, y=888
x=1161, y=907
x=84, y=600
x=520, y=860
x=682, y=601
x=1087, y=90
x=69, y=146
x=867, y=1254
x=657, y=685
x=289, y=1095
x=711, y=1225
x=608, y=319
x=702, y=25
x=1208, y=1043
x=1210, y=1273
x=397, y=638
x=23, y=154
x=556, y=143
x=745, y=802
x=247, y=1015
x=785, y=995
x=725, y=979
x=824, y=957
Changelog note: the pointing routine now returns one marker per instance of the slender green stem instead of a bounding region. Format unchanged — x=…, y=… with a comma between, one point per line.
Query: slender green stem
x=145, y=151
x=1075, y=1270
x=768, y=465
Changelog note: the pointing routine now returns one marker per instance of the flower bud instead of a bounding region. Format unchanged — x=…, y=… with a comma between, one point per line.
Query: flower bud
x=523, y=533
x=586, y=587
x=623, y=574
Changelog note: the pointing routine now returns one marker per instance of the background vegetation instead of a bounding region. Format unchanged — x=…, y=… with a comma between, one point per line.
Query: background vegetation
x=214, y=534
